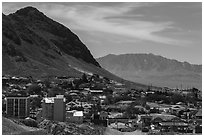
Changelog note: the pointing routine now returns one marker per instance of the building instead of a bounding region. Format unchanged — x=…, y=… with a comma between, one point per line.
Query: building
x=174, y=126
x=54, y=108
x=156, y=119
x=59, y=108
x=199, y=114
x=74, y=116
x=48, y=108
x=103, y=115
x=18, y=106
x=123, y=127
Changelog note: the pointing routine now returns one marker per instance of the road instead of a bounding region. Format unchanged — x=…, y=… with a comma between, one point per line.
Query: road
x=110, y=131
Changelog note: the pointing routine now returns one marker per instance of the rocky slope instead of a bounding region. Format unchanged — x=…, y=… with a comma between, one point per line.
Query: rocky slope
x=153, y=69
x=34, y=44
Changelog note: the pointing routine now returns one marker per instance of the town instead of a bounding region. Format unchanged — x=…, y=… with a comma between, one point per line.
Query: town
x=92, y=104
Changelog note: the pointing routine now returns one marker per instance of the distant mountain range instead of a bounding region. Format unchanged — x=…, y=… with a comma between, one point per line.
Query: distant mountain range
x=35, y=45
x=153, y=70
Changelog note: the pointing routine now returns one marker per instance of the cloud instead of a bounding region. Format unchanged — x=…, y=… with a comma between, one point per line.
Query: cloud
x=112, y=19
x=103, y=19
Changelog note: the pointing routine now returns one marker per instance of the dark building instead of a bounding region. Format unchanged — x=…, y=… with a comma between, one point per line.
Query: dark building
x=18, y=106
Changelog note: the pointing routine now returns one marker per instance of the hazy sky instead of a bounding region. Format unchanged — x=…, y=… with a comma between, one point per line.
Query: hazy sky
x=172, y=30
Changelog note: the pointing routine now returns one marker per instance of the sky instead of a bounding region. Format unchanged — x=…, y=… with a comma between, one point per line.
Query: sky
x=170, y=29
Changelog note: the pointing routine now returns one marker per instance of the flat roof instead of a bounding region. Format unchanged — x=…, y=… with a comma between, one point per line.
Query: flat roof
x=125, y=102
x=78, y=113
x=16, y=96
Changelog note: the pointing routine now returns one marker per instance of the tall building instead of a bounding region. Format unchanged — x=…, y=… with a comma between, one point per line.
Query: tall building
x=59, y=108
x=18, y=106
x=53, y=108
x=48, y=108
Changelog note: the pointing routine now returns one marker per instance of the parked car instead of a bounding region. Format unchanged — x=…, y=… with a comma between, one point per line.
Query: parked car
x=145, y=129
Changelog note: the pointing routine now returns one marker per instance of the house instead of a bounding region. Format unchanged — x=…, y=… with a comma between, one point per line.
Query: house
x=140, y=108
x=112, y=108
x=39, y=115
x=76, y=103
x=74, y=116
x=119, y=90
x=124, y=103
x=115, y=115
x=174, y=109
x=155, y=119
x=144, y=120
x=96, y=92
x=123, y=127
x=74, y=96
x=198, y=129
x=85, y=92
x=173, y=126
x=103, y=115
x=199, y=114
x=70, y=105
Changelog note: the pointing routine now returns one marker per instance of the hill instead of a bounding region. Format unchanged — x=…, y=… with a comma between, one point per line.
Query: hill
x=35, y=45
x=153, y=69
x=9, y=127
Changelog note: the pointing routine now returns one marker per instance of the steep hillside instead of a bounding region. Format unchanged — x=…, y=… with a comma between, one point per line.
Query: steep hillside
x=33, y=27
x=153, y=69
x=35, y=45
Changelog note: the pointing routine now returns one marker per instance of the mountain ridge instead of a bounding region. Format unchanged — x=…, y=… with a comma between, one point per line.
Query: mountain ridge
x=148, y=68
x=111, y=54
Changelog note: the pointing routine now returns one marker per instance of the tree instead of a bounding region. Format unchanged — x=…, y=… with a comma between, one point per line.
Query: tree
x=89, y=97
x=36, y=102
x=47, y=83
x=106, y=79
x=84, y=78
x=131, y=111
x=55, y=91
x=175, y=98
x=68, y=98
x=34, y=89
x=195, y=92
x=108, y=100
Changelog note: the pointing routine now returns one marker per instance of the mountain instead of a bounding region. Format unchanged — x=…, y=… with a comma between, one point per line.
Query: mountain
x=35, y=45
x=153, y=69
x=33, y=27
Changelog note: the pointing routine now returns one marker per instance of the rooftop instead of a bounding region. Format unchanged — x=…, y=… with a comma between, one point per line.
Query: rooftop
x=49, y=100
x=173, y=124
x=78, y=113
